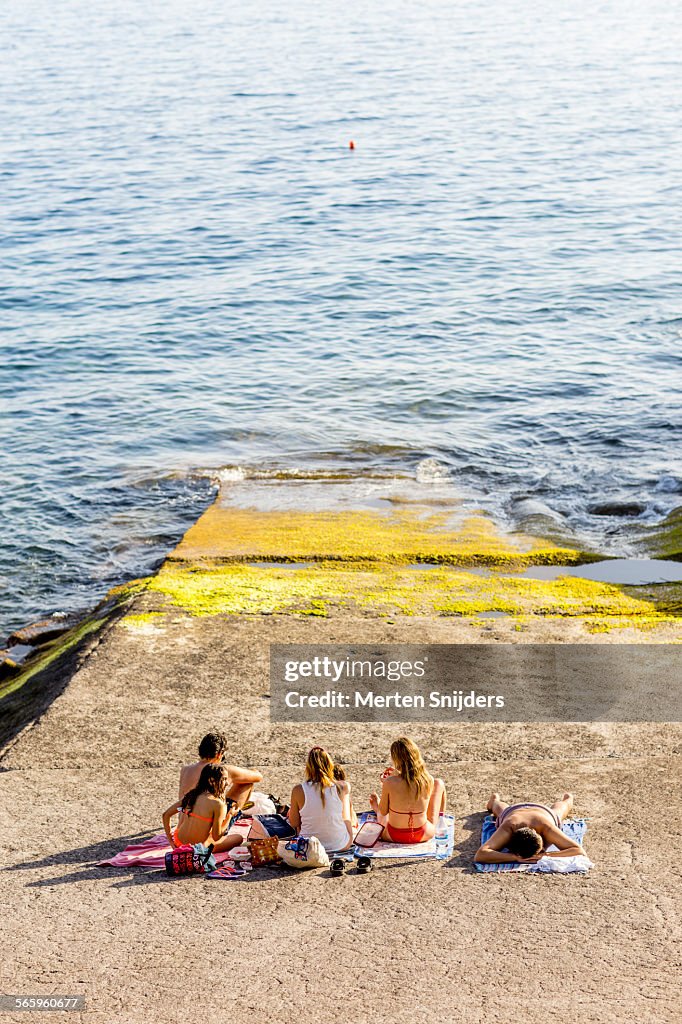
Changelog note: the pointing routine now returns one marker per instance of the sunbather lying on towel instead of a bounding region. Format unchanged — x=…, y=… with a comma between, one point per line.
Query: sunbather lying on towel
x=212, y=751
x=411, y=799
x=204, y=813
x=524, y=831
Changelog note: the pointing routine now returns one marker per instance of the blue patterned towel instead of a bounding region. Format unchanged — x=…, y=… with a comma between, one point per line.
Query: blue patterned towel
x=574, y=828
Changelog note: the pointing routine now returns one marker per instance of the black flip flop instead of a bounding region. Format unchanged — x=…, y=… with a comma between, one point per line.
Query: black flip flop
x=337, y=867
x=364, y=865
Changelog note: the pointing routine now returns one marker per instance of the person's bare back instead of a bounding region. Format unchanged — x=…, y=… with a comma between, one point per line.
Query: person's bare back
x=411, y=799
x=189, y=776
x=525, y=831
x=212, y=751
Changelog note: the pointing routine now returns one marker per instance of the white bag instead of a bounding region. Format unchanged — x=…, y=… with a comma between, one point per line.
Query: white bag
x=303, y=853
x=262, y=804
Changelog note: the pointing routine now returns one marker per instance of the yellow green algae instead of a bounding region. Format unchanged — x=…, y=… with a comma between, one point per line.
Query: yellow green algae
x=402, y=535
x=380, y=589
x=143, y=621
x=125, y=591
x=409, y=560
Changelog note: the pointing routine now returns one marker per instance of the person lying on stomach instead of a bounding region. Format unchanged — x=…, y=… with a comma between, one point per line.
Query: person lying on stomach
x=524, y=831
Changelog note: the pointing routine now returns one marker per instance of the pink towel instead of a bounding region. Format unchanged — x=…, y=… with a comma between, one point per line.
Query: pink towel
x=151, y=852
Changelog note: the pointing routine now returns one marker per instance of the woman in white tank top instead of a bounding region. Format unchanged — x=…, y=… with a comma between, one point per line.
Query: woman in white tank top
x=320, y=806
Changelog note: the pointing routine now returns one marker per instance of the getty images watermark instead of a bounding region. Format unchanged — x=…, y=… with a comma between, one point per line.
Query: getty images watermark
x=475, y=682
x=373, y=672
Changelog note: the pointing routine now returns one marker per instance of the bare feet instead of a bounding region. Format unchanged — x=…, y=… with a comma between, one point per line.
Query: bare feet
x=564, y=806
x=494, y=798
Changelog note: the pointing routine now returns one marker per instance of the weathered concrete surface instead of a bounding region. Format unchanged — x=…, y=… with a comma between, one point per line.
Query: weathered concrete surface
x=415, y=942
x=102, y=763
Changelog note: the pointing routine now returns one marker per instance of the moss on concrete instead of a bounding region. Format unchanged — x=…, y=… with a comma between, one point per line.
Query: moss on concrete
x=399, y=535
x=45, y=657
x=142, y=621
x=376, y=588
x=665, y=539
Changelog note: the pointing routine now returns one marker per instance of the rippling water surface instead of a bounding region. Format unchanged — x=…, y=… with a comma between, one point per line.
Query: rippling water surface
x=198, y=272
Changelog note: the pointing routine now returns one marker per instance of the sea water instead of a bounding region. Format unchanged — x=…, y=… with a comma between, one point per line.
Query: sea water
x=199, y=274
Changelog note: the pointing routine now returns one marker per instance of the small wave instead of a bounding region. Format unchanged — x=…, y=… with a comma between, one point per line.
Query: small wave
x=668, y=484
x=231, y=474
x=431, y=471
x=236, y=474
x=527, y=508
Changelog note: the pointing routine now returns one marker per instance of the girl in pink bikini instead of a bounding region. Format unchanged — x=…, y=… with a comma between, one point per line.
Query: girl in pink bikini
x=411, y=799
x=204, y=812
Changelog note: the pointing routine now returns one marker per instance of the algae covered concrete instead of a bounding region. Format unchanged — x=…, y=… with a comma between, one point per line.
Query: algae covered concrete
x=100, y=763
x=387, y=556
x=301, y=520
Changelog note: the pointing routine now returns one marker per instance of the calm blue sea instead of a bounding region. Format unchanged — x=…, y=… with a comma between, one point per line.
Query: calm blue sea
x=197, y=272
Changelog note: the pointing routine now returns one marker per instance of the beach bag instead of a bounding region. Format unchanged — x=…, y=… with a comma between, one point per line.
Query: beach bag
x=190, y=860
x=261, y=804
x=304, y=853
x=264, y=851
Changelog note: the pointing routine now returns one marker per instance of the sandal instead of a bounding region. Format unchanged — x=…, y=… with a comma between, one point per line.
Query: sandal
x=337, y=867
x=363, y=865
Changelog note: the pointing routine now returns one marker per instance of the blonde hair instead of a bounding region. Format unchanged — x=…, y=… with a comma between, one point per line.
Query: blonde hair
x=319, y=769
x=409, y=762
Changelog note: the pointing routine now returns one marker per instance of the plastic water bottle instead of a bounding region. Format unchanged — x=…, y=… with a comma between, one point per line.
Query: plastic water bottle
x=442, y=838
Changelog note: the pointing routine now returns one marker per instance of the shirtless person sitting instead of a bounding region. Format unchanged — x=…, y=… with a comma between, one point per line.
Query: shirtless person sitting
x=204, y=813
x=211, y=751
x=524, y=831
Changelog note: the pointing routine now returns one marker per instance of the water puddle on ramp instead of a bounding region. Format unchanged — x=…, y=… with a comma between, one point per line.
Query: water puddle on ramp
x=632, y=572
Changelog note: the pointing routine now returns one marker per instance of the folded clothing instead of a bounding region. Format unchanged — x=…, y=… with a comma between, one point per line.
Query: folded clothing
x=574, y=828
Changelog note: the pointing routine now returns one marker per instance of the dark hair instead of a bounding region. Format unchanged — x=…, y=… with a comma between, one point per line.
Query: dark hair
x=339, y=773
x=212, y=746
x=214, y=779
x=525, y=842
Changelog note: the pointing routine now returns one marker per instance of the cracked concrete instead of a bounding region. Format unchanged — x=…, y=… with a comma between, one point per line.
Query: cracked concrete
x=408, y=942
x=423, y=943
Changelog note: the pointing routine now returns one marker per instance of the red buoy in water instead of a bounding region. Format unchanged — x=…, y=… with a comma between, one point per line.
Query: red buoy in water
x=351, y=144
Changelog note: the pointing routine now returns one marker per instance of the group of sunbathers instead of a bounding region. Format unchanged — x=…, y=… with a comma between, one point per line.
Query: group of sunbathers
x=408, y=806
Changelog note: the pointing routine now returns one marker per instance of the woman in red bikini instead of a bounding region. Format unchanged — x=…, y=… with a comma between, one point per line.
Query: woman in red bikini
x=411, y=799
x=205, y=812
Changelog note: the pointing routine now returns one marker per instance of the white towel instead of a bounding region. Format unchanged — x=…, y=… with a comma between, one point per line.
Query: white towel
x=580, y=864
